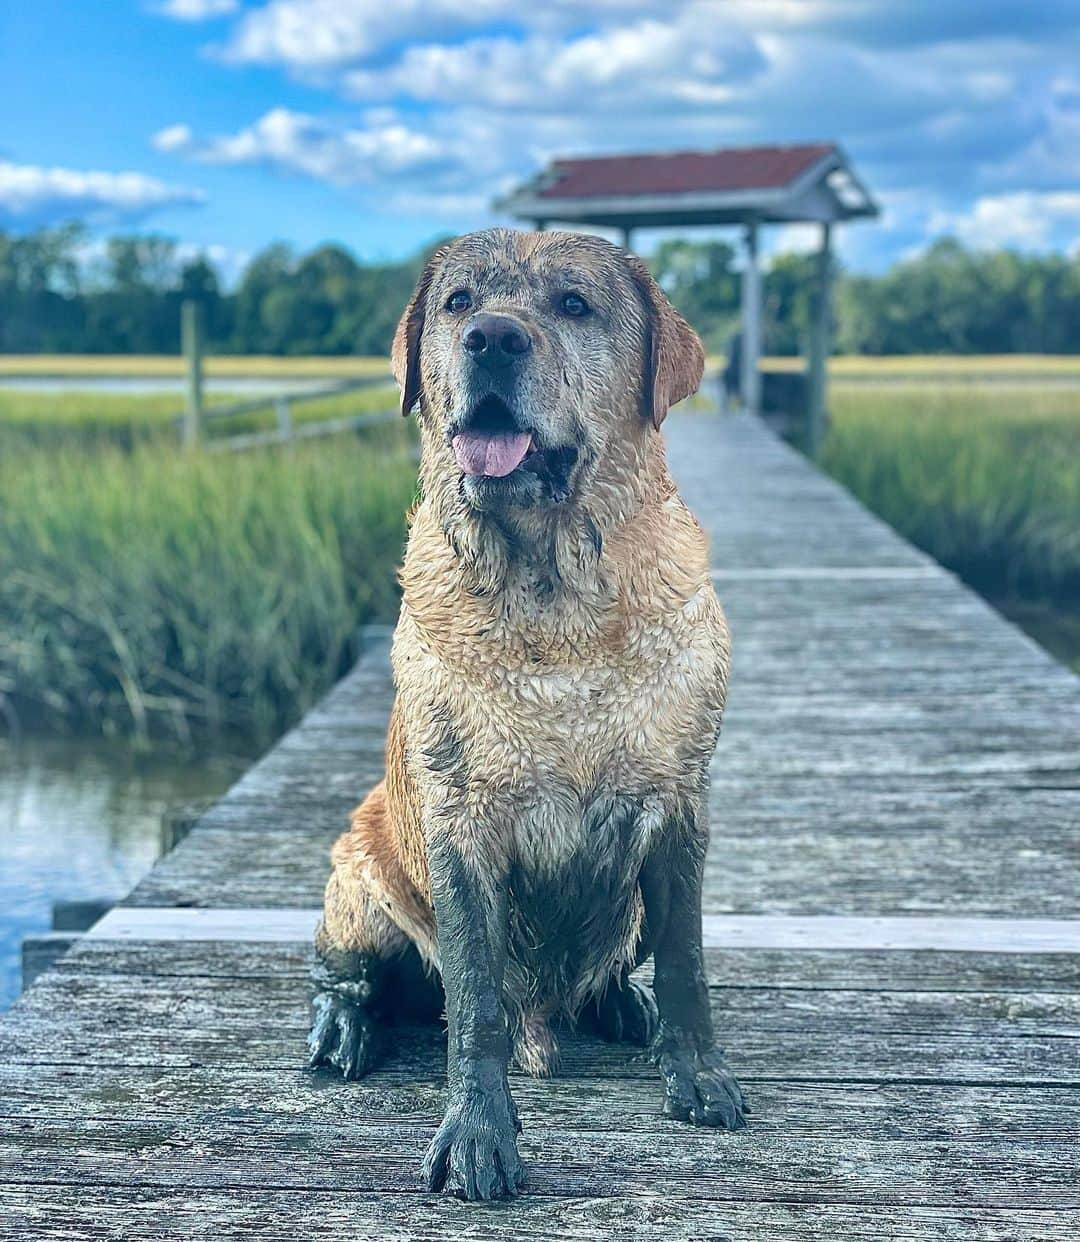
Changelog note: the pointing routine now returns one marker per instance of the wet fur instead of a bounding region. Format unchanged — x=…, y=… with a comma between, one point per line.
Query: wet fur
x=560, y=665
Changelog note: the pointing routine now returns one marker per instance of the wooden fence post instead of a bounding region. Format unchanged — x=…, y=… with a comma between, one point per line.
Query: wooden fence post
x=192, y=345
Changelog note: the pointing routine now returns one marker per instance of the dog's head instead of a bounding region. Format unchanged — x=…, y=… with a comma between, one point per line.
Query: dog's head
x=535, y=355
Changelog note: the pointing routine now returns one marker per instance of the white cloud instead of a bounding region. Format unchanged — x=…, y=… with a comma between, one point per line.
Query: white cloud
x=172, y=138
x=687, y=63
x=1025, y=219
x=321, y=34
x=385, y=150
x=333, y=34
x=31, y=196
x=196, y=10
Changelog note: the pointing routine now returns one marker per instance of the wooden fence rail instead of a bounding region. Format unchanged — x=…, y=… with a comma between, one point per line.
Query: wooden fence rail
x=197, y=415
x=288, y=432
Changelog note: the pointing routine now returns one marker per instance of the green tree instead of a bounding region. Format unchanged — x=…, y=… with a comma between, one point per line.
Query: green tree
x=701, y=280
x=946, y=300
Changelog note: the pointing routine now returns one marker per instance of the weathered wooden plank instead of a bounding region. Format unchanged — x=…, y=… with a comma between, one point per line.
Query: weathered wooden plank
x=761, y=505
x=74, y=1213
x=948, y=933
x=839, y=1037
x=231, y=867
x=912, y=872
x=876, y=971
x=41, y=953
x=296, y=1100
x=686, y=1162
x=851, y=797
x=797, y=740
x=892, y=851
x=751, y=1009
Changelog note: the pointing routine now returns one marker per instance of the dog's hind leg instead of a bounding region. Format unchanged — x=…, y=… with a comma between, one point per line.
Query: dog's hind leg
x=346, y=1025
x=368, y=969
x=625, y=1012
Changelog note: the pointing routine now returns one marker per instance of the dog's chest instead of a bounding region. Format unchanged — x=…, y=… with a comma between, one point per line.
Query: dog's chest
x=575, y=908
x=624, y=727
x=555, y=825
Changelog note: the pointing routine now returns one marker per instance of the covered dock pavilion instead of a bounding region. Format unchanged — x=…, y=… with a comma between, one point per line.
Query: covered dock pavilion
x=747, y=187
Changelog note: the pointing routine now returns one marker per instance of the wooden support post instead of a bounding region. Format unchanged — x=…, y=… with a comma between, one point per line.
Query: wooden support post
x=627, y=238
x=284, y=419
x=751, y=324
x=817, y=413
x=192, y=345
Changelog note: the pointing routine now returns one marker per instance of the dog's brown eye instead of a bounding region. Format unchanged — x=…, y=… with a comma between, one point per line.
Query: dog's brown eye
x=458, y=302
x=575, y=305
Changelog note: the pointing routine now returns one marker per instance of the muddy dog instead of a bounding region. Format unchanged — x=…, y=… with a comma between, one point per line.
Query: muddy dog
x=560, y=664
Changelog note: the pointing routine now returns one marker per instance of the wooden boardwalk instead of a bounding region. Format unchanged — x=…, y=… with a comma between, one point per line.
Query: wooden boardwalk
x=891, y=892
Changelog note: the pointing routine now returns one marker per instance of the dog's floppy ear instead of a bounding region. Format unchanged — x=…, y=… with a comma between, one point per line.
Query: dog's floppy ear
x=674, y=357
x=405, y=352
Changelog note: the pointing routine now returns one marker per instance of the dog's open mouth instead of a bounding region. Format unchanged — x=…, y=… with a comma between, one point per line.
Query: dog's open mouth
x=491, y=445
x=503, y=462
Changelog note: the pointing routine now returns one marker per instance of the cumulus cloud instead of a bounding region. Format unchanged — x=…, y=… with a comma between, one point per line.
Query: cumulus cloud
x=322, y=34
x=318, y=35
x=172, y=138
x=196, y=10
x=384, y=150
x=32, y=196
x=690, y=62
x=1027, y=220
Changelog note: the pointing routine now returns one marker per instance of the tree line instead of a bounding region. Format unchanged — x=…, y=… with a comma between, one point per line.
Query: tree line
x=948, y=300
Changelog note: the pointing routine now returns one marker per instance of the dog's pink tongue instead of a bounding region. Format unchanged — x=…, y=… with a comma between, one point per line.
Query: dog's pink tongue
x=495, y=455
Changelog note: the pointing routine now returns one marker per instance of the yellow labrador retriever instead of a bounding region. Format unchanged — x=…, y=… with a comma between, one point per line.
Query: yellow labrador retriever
x=560, y=664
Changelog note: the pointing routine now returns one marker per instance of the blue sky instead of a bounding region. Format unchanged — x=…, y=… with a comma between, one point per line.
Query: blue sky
x=383, y=123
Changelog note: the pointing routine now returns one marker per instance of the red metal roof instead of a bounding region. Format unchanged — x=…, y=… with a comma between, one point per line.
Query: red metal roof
x=680, y=172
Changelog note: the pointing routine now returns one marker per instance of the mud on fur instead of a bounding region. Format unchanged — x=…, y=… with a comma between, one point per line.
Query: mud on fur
x=560, y=664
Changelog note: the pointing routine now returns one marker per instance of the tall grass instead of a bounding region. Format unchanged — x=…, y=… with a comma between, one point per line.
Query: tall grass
x=59, y=420
x=127, y=365
x=987, y=481
x=149, y=591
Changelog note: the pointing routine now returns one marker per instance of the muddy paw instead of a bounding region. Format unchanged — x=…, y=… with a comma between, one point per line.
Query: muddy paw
x=343, y=1036
x=474, y=1152
x=700, y=1088
x=626, y=1013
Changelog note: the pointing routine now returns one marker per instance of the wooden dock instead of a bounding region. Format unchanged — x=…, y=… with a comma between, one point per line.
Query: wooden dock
x=891, y=905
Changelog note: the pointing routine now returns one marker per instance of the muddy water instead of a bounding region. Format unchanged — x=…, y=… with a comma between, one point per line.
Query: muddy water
x=82, y=820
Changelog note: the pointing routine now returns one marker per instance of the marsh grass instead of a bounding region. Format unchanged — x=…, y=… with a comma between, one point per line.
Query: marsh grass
x=940, y=367
x=263, y=366
x=985, y=480
x=144, y=591
x=327, y=367
x=43, y=420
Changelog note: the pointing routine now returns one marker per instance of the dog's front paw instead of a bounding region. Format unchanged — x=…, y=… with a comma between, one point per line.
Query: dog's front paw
x=698, y=1086
x=343, y=1036
x=474, y=1152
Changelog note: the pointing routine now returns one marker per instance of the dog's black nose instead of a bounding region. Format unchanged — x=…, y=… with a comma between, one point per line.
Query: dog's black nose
x=495, y=341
